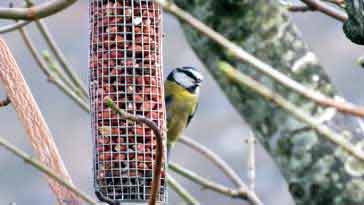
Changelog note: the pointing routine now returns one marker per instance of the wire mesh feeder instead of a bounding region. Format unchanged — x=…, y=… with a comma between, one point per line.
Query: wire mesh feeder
x=125, y=64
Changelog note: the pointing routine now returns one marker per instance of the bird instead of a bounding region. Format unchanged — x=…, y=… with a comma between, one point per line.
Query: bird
x=182, y=88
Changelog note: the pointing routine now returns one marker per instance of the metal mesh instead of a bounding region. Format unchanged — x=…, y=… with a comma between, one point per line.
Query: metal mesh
x=125, y=64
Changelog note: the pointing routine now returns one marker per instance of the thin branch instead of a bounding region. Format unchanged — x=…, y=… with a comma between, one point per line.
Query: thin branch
x=215, y=159
x=251, y=160
x=33, y=121
x=41, y=167
x=294, y=7
x=159, y=150
x=13, y=27
x=326, y=9
x=270, y=95
x=36, y=12
x=60, y=57
x=298, y=8
x=54, y=66
x=184, y=194
x=5, y=102
x=205, y=183
x=261, y=66
x=51, y=75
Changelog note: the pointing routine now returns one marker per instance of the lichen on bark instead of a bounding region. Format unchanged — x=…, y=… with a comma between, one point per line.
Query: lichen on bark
x=317, y=172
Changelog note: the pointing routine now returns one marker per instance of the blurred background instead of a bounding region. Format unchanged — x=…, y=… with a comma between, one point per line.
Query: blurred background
x=216, y=124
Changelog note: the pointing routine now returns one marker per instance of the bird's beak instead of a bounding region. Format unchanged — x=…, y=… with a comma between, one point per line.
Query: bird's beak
x=198, y=82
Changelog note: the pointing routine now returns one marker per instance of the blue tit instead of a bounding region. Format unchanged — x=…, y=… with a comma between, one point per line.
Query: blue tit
x=182, y=89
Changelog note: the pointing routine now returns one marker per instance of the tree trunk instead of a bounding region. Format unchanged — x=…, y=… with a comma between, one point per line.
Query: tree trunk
x=316, y=171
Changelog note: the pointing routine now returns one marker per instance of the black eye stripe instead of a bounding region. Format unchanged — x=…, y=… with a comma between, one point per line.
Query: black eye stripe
x=187, y=72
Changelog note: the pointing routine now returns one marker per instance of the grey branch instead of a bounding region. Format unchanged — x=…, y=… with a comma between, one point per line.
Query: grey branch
x=80, y=88
x=205, y=183
x=251, y=160
x=44, y=169
x=33, y=122
x=242, y=79
x=52, y=77
x=256, y=63
x=35, y=12
x=307, y=161
x=14, y=26
x=184, y=194
x=215, y=159
x=326, y=9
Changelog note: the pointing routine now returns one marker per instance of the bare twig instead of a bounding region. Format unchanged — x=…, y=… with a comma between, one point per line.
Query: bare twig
x=299, y=8
x=60, y=57
x=52, y=44
x=160, y=147
x=32, y=119
x=51, y=75
x=205, y=183
x=54, y=66
x=43, y=168
x=215, y=159
x=5, y=102
x=260, y=89
x=326, y=9
x=251, y=160
x=294, y=7
x=36, y=12
x=13, y=27
x=184, y=194
x=261, y=66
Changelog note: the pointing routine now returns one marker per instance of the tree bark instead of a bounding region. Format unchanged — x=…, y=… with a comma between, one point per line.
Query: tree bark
x=36, y=127
x=317, y=172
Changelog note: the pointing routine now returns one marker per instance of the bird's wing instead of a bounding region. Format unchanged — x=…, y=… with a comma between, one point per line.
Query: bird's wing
x=191, y=115
x=168, y=101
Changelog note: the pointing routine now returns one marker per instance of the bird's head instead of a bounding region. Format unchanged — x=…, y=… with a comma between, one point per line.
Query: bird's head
x=187, y=77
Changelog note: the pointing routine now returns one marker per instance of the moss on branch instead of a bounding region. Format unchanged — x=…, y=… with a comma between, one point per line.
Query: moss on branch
x=317, y=172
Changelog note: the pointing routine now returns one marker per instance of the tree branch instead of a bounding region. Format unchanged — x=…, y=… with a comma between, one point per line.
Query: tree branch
x=326, y=9
x=44, y=169
x=33, y=121
x=14, y=26
x=237, y=52
x=325, y=131
x=184, y=194
x=244, y=194
x=308, y=162
x=80, y=88
x=251, y=160
x=54, y=67
x=36, y=12
x=299, y=8
x=160, y=147
x=50, y=74
x=215, y=159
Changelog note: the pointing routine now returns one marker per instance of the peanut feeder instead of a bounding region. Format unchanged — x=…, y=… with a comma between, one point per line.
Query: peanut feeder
x=126, y=65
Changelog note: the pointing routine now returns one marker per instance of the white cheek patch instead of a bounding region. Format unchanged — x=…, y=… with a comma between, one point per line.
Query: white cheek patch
x=183, y=80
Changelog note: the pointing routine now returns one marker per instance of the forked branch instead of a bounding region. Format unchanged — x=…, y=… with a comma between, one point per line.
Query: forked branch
x=257, y=64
